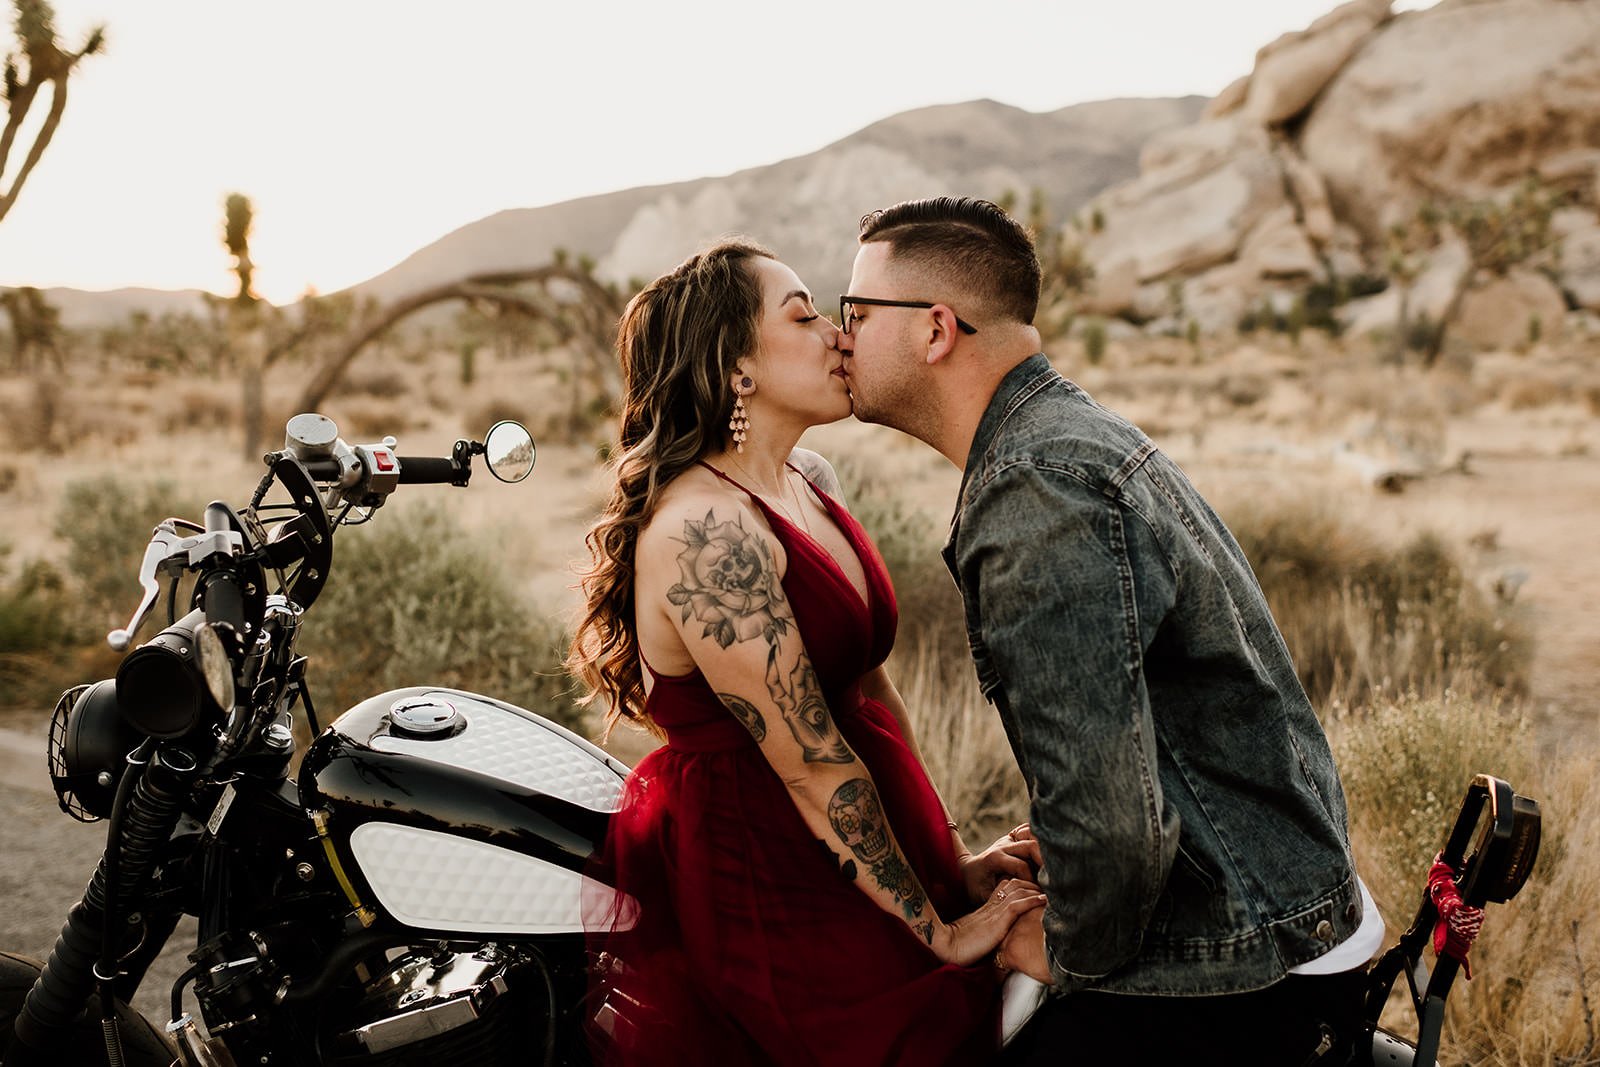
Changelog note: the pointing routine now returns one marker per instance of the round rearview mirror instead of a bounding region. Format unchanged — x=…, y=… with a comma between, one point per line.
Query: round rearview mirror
x=508, y=449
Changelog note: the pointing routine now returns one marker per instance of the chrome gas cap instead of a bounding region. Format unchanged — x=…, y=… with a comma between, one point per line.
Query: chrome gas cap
x=424, y=716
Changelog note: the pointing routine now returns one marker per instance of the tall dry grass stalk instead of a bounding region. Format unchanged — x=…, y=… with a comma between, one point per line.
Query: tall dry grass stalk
x=963, y=744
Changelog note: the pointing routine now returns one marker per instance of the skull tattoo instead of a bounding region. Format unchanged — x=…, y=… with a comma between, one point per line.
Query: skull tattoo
x=857, y=817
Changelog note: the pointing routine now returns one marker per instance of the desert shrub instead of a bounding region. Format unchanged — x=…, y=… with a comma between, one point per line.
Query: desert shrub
x=1421, y=333
x=1359, y=616
x=381, y=381
x=372, y=418
x=34, y=632
x=1094, y=341
x=105, y=524
x=203, y=407
x=414, y=600
x=1244, y=390
x=43, y=421
x=1534, y=391
x=1406, y=763
x=497, y=409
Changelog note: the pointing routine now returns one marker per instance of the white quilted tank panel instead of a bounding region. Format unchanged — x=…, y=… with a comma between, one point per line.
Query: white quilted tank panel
x=508, y=746
x=439, y=882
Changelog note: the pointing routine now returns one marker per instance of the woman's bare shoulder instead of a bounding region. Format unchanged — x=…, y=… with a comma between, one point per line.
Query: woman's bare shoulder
x=695, y=500
x=819, y=470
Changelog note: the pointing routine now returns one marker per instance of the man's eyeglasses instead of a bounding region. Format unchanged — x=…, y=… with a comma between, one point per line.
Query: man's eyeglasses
x=847, y=310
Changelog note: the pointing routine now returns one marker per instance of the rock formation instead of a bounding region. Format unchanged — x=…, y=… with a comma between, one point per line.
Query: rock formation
x=1295, y=173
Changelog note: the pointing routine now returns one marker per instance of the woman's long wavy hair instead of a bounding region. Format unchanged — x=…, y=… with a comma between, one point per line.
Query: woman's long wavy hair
x=678, y=341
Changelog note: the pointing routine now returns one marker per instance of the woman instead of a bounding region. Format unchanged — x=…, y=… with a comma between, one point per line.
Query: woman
x=793, y=887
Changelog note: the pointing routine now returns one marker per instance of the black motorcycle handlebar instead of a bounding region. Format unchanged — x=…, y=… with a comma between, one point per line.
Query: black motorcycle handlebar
x=428, y=470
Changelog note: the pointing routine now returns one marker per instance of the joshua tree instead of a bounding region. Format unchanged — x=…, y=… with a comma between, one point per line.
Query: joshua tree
x=1066, y=268
x=259, y=334
x=35, y=327
x=38, y=61
x=579, y=311
x=1500, y=234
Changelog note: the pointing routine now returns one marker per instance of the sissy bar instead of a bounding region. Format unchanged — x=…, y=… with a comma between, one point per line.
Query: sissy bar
x=1490, y=853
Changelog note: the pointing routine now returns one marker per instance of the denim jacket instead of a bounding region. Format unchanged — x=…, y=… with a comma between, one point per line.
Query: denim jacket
x=1191, y=819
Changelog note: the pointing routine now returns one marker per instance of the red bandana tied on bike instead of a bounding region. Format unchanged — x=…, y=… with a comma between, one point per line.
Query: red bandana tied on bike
x=1459, y=922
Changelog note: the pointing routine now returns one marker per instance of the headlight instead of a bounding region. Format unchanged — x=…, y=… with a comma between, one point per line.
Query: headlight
x=160, y=685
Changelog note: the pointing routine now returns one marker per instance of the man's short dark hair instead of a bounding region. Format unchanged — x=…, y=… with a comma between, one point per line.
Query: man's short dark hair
x=973, y=243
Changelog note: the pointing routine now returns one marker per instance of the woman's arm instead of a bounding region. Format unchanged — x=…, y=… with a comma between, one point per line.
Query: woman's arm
x=713, y=566
x=1013, y=856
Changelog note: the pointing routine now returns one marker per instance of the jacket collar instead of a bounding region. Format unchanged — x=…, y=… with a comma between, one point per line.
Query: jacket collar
x=1020, y=382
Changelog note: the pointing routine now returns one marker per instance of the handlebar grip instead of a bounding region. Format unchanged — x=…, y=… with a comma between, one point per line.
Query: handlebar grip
x=224, y=600
x=427, y=470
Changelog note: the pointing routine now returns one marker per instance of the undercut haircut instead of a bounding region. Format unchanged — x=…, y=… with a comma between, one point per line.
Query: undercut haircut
x=971, y=244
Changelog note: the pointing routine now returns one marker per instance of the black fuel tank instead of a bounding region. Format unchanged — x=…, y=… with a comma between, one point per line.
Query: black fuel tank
x=455, y=811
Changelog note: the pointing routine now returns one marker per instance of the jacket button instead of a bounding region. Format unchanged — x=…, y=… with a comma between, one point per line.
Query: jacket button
x=1324, y=931
x=1350, y=911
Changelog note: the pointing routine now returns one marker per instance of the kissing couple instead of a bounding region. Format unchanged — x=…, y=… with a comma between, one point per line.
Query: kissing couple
x=796, y=891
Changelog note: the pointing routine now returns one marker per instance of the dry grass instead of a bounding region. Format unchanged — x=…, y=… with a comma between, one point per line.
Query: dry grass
x=204, y=406
x=365, y=418
x=1363, y=618
x=1406, y=762
x=963, y=743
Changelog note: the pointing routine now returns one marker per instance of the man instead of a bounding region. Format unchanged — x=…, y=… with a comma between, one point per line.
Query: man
x=1191, y=822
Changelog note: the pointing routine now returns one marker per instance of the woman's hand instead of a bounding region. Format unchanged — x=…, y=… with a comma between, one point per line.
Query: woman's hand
x=972, y=937
x=1014, y=855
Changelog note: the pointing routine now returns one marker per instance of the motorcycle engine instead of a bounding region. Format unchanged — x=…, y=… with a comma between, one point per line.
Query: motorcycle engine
x=443, y=1010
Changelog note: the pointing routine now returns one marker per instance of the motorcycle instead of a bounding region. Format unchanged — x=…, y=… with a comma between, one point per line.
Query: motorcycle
x=413, y=893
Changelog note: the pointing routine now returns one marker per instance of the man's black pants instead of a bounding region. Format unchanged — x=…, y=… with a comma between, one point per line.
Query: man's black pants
x=1280, y=1026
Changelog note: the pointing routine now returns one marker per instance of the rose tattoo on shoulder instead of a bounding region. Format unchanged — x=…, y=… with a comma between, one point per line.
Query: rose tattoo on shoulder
x=729, y=582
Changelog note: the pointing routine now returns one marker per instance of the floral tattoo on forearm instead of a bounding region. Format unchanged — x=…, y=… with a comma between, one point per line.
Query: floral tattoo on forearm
x=730, y=584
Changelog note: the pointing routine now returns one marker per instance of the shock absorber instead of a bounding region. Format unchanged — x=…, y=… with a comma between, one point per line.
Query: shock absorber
x=68, y=978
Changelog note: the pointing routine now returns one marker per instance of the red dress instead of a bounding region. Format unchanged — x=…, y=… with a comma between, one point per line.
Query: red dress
x=748, y=946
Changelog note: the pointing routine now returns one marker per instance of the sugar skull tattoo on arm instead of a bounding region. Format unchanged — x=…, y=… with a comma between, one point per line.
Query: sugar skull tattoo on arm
x=857, y=817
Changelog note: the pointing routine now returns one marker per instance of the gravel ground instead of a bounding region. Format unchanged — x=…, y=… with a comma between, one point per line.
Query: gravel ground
x=46, y=859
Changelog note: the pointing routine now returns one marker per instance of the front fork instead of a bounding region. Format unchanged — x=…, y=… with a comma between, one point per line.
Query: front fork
x=142, y=821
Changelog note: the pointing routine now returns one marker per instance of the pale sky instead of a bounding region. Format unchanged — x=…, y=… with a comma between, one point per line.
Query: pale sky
x=366, y=129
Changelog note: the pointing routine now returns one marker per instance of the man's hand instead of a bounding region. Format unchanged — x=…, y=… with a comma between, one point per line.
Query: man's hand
x=1023, y=947
x=1015, y=855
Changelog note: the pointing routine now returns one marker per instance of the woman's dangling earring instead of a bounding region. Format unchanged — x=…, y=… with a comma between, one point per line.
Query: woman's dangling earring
x=739, y=423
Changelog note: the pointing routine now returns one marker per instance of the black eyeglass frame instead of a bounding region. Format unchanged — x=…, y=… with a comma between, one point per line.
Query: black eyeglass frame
x=845, y=317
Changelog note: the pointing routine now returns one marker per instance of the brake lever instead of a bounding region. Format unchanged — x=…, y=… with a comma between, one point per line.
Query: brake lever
x=166, y=546
x=163, y=543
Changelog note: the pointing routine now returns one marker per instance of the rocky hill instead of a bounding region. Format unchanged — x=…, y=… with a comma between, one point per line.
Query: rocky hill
x=806, y=208
x=1296, y=173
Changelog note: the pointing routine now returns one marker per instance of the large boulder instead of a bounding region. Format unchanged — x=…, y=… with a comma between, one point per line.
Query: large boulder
x=1463, y=99
x=1193, y=206
x=1580, y=256
x=1278, y=248
x=1428, y=297
x=1510, y=311
x=1293, y=69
